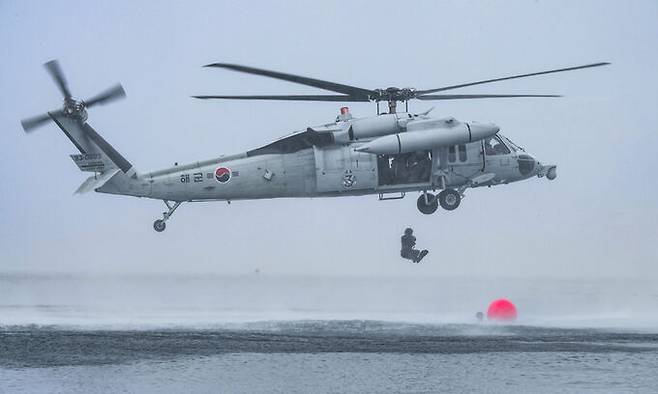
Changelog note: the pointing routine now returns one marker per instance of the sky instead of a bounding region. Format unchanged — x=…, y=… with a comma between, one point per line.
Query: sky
x=598, y=218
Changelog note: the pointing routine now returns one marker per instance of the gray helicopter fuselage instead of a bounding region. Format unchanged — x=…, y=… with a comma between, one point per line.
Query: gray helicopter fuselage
x=294, y=167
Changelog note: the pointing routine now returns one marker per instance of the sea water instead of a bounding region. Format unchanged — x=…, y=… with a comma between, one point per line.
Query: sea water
x=260, y=333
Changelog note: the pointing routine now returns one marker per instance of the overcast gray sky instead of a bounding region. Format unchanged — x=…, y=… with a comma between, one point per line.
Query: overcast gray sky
x=598, y=218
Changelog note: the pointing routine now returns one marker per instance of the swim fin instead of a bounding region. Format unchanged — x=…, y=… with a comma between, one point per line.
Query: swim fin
x=422, y=255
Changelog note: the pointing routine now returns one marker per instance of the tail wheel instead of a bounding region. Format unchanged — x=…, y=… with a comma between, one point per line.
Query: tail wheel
x=427, y=208
x=159, y=225
x=449, y=199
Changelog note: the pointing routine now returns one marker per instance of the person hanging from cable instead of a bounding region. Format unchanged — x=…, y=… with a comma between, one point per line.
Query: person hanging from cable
x=408, y=244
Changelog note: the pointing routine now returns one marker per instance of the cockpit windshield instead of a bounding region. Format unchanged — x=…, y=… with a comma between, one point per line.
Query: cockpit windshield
x=495, y=146
x=512, y=145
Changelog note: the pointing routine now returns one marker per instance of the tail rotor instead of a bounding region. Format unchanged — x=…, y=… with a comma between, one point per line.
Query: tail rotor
x=73, y=108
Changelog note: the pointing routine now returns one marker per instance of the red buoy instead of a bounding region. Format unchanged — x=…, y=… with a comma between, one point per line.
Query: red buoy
x=501, y=310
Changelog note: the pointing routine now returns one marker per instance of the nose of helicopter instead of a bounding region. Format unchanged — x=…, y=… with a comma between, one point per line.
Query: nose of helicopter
x=547, y=170
x=482, y=130
x=528, y=166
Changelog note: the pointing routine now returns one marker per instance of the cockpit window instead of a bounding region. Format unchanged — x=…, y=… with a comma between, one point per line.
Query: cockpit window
x=495, y=146
x=514, y=146
x=510, y=144
x=462, y=153
x=452, y=154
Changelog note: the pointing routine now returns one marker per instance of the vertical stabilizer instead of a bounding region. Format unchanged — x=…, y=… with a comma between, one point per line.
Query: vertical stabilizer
x=90, y=144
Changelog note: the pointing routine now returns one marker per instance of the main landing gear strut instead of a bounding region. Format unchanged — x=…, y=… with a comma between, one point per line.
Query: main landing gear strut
x=449, y=199
x=161, y=224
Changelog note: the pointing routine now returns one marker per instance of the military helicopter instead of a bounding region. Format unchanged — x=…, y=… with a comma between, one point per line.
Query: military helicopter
x=388, y=155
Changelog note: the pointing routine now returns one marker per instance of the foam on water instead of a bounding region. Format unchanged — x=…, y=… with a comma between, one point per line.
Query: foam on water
x=205, y=302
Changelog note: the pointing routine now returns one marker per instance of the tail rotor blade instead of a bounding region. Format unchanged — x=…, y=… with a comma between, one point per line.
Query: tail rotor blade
x=114, y=93
x=32, y=123
x=29, y=124
x=55, y=71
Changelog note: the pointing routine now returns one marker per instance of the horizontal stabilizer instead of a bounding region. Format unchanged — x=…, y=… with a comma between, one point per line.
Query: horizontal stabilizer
x=94, y=182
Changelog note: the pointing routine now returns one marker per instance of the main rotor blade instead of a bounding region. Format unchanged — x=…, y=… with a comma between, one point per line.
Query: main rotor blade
x=114, y=93
x=318, y=83
x=55, y=71
x=478, y=96
x=290, y=98
x=421, y=92
x=29, y=124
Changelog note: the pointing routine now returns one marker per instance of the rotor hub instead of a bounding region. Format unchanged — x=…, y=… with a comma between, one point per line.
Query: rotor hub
x=393, y=94
x=75, y=108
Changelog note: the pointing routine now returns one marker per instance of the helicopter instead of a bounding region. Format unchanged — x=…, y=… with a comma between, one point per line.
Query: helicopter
x=388, y=155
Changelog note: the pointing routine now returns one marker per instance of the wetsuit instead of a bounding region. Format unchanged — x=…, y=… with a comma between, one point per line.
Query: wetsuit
x=408, y=251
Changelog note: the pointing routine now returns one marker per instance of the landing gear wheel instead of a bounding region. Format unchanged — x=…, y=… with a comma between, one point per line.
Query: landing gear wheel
x=430, y=207
x=449, y=199
x=159, y=225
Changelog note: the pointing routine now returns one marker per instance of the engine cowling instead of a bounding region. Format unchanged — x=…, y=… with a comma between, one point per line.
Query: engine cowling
x=378, y=126
x=411, y=141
